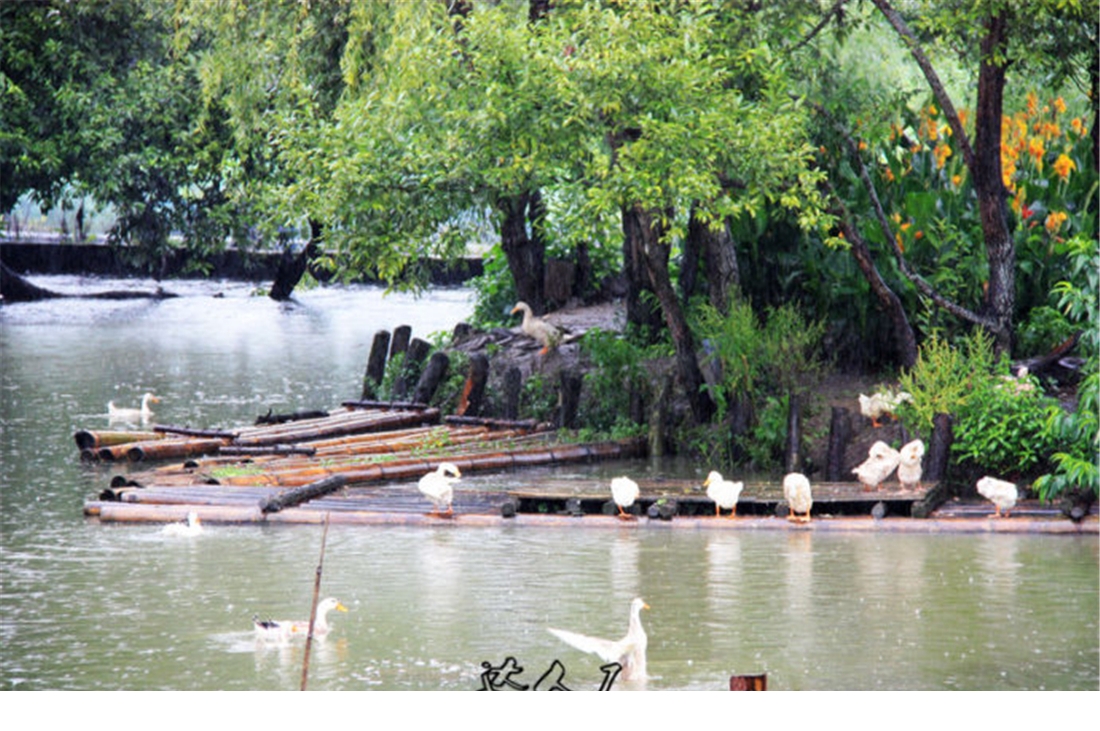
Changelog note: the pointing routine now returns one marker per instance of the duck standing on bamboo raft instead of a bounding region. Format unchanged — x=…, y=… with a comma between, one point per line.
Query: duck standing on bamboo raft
x=881, y=461
x=270, y=629
x=725, y=493
x=799, y=496
x=549, y=336
x=629, y=652
x=1001, y=493
x=624, y=491
x=909, y=464
x=143, y=415
x=438, y=486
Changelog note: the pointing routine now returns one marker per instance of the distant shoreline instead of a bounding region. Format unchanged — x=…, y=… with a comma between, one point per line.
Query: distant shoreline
x=50, y=254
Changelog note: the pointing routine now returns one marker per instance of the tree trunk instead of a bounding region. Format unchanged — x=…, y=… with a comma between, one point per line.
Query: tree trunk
x=14, y=288
x=292, y=267
x=526, y=254
x=655, y=257
x=906, y=339
x=642, y=312
x=719, y=261
x=989, y=183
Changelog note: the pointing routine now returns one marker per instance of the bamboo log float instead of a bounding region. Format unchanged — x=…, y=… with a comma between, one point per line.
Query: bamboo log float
x=395, y=405
x=275, y=449
x=270, y=418
x=376, y=363
x=342, y=427
x=170, y=449
x=129, y=513
x=296, y=496
x=91, y=440
x=189, y=432
x=522, y=425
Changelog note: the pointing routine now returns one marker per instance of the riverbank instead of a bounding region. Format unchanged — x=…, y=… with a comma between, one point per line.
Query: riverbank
x=47, y=255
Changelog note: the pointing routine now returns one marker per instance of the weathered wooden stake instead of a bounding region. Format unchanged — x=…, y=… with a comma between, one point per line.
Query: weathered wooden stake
x=474, y=390
x=513, y=385
x=400, y=342
x=793, y=459
x=658, y=418
x=571, y=383
x=433, y=375
x=840, y=433
x=376, y=364
x=414, y=363
x=749, y=682
x=935, y=468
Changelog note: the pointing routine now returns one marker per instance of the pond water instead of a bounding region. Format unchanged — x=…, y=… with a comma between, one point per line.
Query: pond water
x=87, y=606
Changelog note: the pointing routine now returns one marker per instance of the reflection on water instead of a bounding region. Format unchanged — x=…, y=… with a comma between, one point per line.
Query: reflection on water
x=90, y=606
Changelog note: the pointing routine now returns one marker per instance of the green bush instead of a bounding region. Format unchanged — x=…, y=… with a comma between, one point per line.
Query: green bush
x=1077, y=433
x=617, y=376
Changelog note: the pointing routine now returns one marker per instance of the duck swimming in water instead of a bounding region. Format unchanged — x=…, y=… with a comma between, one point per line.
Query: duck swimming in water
x=142, y=415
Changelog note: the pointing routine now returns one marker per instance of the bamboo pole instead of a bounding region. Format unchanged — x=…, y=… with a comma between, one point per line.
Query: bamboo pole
x=313, y=610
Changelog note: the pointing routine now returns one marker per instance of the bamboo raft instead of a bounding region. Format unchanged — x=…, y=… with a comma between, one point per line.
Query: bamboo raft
x=360, y=466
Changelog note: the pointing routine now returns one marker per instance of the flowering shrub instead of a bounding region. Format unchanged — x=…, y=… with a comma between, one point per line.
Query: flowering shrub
x=925, y=187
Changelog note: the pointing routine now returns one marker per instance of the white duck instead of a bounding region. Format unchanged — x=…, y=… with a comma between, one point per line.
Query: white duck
x=629, y=652
x=438, y=486
x=143, y=415
x=270, y=629
x=881, y=461
x=909, y=465
x=800, y=500
x=1003, y=494
x=624, y=491
x=535, y=327
x=880, y=404
x=724, y=493
x=191, y=527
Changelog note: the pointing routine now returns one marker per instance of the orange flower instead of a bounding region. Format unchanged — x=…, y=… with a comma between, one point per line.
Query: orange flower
x=889, y=175
x=1078, y=126
x=1036, y=149
x=918, y=235
x=1032, y=104
x=1063, y=166
x=1060, y=105
x=1055, y=220
x=957, y=180
x=942, y=152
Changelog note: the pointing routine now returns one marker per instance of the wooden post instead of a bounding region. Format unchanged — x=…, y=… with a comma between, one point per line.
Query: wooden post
x=400, y=342
x=376, y=364
x=935, y=468
x=433, y=375
x=474, y=389
x=658, y=417
x=793, y=459
x=513, y=385
x=415, y=354
x=840, y=432
x=571, y=383
x=749, y=682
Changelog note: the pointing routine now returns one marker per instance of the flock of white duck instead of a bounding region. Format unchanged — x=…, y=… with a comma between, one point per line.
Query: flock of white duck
x=630, y=650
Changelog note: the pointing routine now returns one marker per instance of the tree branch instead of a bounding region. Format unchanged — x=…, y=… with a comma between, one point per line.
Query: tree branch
x=894, y=18
x=835, y=10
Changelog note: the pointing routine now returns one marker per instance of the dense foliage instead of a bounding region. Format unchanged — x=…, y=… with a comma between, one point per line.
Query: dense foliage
x=906, y=175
